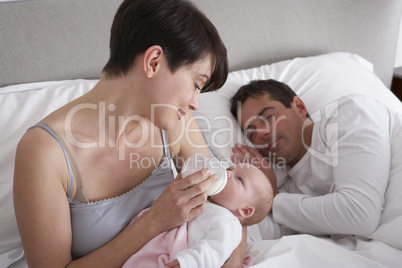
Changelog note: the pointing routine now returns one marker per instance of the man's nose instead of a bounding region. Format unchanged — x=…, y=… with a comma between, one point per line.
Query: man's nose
x=262, y=133
x=263, y=130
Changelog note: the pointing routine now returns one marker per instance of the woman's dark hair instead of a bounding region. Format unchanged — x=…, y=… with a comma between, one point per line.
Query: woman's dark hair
x=276, y=90
x=185, y=34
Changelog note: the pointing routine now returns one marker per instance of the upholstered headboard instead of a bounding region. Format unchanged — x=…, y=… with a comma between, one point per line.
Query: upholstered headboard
x=43, y=40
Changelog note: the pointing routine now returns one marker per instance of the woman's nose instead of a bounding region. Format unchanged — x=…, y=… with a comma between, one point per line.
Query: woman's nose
x=195, y=101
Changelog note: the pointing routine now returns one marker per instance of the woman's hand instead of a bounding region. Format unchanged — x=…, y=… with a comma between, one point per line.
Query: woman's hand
x=181, y=201
x=173, y=264
x=246, y=154
x=236, y=259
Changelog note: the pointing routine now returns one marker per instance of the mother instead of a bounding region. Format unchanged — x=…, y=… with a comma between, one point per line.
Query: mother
x=111, y=149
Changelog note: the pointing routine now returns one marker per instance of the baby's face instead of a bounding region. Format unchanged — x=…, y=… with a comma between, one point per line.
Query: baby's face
x=243, y=181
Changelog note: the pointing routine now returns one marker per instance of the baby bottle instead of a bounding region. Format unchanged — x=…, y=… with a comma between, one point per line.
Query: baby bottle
x=198, y=161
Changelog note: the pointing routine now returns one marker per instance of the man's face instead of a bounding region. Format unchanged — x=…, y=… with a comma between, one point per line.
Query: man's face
x=275, y=130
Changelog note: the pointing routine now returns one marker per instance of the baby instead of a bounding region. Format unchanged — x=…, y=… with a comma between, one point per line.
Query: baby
x=209, y=239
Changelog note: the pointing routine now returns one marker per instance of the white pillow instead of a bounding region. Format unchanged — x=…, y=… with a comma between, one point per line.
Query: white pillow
x=21, y=106
x=317, y=80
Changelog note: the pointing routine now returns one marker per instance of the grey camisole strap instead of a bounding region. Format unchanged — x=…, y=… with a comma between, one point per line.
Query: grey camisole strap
x=70, y=171
x=165, y=145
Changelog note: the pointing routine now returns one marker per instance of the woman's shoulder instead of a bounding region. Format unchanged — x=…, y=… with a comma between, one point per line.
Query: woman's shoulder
x=39, y=156
x=34, y=141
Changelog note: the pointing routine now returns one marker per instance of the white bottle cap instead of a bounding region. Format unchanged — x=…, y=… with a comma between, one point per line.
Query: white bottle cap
x=199, y=161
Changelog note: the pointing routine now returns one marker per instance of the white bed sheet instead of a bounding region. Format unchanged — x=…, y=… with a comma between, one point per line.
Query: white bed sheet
x=306, y=251
x=309, y=251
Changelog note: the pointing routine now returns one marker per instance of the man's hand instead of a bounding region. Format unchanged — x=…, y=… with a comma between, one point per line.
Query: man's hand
x=246, y=154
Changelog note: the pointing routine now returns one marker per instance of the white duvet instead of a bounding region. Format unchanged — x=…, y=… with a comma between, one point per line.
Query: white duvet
x=309, y=251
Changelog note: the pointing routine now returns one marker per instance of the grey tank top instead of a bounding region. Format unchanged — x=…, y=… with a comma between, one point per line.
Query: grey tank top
x=96, y=223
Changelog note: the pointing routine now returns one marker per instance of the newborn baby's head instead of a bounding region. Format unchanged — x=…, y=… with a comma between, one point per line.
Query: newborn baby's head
x=248, y=194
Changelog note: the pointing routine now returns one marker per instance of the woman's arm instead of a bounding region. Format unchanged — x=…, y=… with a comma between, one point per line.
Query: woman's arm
x=237, y=257
x=43, y=213
x=40, y=202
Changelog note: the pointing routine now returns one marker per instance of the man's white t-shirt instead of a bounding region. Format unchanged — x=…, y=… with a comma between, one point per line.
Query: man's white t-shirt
x=338, y=186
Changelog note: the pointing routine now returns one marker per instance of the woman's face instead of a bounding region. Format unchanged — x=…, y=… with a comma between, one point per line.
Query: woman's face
x=176, y=93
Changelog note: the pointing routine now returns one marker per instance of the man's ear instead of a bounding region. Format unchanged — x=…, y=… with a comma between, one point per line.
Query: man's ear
x=246, y=211
x=300, y=106
x=151, y=61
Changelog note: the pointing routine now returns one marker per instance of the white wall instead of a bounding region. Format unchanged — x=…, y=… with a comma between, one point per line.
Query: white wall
x=398, y=58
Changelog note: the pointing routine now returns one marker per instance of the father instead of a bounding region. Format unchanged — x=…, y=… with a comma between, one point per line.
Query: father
x=338, y=166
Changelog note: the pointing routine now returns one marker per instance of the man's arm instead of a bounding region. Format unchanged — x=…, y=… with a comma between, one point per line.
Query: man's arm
x=355, y=157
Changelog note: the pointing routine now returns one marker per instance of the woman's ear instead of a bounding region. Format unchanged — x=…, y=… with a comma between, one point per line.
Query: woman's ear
x=300, y=106
x=151, y=60
x=246, y=211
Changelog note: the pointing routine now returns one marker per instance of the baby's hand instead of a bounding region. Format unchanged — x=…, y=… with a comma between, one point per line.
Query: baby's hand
x=173, y=264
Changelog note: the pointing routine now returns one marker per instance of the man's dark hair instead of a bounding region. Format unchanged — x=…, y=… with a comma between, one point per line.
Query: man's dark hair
x=276, y=90
x=185, y=34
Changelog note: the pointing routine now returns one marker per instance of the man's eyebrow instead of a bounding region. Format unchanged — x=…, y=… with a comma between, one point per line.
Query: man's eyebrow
x=260, y=114
x=263, y=110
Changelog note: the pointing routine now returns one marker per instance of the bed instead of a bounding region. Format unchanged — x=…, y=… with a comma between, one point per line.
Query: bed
x=53, y=51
